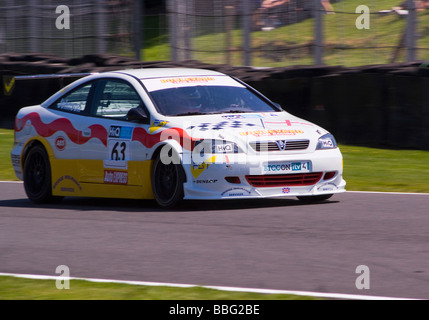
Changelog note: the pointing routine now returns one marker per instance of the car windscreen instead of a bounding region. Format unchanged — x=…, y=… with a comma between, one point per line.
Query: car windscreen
x=212, y=95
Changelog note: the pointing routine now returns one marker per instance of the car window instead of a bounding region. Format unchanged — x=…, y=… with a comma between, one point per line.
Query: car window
x=208, y=100
x=114, y=98
x=74, y=101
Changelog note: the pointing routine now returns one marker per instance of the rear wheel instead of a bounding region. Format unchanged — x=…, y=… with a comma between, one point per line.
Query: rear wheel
x=318, y=198
x=37, y=176
x=167, y=183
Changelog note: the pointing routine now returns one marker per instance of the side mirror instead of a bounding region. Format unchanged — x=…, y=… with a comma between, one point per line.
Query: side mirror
x=137, y=115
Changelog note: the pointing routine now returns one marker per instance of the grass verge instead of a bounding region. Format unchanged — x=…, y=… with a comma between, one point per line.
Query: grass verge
x=372, y=169
x=6, y=145
x=12, y=288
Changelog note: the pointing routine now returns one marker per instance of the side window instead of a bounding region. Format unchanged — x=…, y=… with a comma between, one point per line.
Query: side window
x=74, y=101
x=115, y=98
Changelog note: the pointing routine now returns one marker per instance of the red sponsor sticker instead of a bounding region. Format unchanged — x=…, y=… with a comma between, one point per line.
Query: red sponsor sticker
x=60, y=143
x=115, y=177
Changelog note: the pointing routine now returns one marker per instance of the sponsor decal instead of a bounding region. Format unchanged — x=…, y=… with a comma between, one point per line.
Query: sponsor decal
x=69, y=178
x=120, y=132
x=157, y=124
x=288, y=166
x=233, y=116
x=327, y=143
x=115, y=177
x=286, y=190
x=243, y=116
x=187, y=80
x=197, y=169
x=278, y=167
x=269, y=114
x=206, y=181
x=272, y=132
x=60, y=143
x=236, y=192
x=328, y=187
x=223, y=148
x=172, y=82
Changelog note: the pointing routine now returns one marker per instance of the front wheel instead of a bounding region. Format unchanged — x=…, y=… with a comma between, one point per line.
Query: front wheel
x=318, y=198
x=37, y=176
x=167, y=183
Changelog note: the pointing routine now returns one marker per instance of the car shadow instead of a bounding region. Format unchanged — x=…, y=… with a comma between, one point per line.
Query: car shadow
x=132, y=205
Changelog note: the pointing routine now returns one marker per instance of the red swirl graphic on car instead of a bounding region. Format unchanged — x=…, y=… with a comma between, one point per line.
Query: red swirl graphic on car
x=98, y=131
x=61, y=124
x=178, y=134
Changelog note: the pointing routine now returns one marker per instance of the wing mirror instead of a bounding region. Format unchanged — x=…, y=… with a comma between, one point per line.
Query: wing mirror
x=137, y=115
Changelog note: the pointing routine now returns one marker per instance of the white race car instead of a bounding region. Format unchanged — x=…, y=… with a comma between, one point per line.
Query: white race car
x=170, y=134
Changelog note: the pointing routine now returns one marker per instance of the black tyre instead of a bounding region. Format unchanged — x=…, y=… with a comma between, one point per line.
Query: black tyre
x=167, y=183
x=37, y=176
x=318, y=198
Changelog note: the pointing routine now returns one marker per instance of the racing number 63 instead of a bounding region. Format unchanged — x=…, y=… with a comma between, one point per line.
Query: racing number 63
x=118, y=153
x=118, y=150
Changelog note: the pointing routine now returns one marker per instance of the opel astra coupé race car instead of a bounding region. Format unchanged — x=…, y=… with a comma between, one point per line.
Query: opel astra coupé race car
x=170, y=134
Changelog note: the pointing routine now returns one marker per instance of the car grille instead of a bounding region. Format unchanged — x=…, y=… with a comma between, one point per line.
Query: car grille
x=282, y=180
x=275, y=146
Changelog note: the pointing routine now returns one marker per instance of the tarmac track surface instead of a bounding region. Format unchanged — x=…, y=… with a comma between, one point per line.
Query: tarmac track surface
x=271, y=244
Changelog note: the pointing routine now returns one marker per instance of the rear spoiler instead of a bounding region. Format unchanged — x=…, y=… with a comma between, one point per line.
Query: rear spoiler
x=9, y=81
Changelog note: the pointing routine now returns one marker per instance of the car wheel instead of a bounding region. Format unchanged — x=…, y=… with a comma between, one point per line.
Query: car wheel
x=167, y=183
x=318, y=198
x=37, y=176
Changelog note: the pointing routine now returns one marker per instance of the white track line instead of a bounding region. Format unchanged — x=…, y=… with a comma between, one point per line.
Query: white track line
x=222, y=288
x=392, y=192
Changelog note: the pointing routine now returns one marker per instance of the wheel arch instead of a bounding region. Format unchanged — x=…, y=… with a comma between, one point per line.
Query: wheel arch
x=30, y=144
x=176, y=149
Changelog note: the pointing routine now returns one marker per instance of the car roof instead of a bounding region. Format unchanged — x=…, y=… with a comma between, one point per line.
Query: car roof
x=144, y=73
x=147, y=73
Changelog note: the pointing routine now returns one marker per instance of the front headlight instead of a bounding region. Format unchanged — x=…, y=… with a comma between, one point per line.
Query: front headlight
x=216, y=146
x=326, y=141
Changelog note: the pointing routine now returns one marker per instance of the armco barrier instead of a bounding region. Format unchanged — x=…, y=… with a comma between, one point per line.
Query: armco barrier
x=379, y=106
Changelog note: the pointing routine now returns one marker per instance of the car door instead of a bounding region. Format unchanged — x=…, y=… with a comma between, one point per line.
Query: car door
x=116, y=166
x=66, y=135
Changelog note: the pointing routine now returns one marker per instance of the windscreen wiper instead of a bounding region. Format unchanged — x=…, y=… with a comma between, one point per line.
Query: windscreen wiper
x=191, y=114
x=237, y=111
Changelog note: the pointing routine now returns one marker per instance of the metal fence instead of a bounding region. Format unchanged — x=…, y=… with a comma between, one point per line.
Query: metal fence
x=237, y=32
x=66, y=28
x=294, y=32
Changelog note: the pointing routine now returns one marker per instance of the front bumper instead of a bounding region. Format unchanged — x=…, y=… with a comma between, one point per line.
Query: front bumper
x=227, y=176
